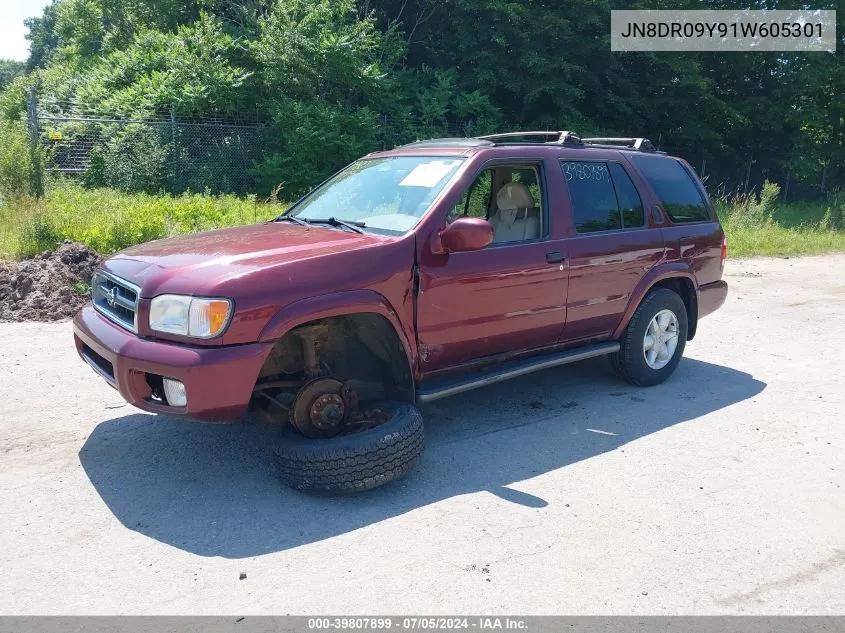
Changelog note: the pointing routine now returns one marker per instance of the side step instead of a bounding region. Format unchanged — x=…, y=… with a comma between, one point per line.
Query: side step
x=444, y=387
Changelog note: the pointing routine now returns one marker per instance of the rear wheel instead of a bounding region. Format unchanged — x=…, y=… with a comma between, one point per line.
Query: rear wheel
x=654, y=340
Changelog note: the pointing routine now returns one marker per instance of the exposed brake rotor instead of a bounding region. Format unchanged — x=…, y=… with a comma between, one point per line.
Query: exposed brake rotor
x=321, y=407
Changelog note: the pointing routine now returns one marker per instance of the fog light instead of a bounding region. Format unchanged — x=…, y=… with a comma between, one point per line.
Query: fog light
x=174, y=391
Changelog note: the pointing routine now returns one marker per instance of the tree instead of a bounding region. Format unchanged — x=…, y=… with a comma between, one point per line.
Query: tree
x=10, y=70
x=349, y=76
x=42, y=37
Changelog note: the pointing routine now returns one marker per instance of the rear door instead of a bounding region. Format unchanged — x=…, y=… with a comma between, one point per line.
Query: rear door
x=692, y=233
x=613, y=244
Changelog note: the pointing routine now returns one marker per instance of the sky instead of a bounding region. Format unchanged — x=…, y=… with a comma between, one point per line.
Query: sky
x=13, y=45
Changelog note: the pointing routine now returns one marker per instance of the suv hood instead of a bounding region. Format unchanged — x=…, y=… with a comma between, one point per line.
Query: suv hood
x=202, y=261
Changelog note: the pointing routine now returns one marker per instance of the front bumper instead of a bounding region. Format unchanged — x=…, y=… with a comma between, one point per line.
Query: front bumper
x=218, y=380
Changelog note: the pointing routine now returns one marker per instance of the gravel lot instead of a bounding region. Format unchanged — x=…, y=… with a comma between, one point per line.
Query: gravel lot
x=720, y=491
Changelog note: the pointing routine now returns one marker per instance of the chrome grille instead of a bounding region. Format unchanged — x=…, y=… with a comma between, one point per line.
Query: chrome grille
x=116, y=299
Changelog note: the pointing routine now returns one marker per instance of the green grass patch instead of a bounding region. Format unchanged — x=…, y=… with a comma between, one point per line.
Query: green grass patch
x=762, y=226
x=108, y=220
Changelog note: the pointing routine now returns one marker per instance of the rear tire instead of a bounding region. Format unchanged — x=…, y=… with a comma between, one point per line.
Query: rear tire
x=643, y=367
x=356, y=462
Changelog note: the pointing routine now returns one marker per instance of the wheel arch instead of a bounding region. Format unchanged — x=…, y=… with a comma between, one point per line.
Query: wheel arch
x=369, y=313
x=675, y=276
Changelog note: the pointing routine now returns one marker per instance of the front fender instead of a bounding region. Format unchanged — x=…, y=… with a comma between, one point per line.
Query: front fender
x=338, y=304
x=667, y=270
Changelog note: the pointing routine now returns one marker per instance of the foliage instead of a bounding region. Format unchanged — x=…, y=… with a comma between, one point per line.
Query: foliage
x=319, y=74
x=834, y=213
x=133, y=158
x=194, y=70
x=786, y=229
x=109, y=220
x=754, y=210
x=42, y=37
x=17, y=168
x=10, y=70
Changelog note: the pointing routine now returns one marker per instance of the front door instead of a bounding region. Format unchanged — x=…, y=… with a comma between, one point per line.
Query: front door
x=510, y=296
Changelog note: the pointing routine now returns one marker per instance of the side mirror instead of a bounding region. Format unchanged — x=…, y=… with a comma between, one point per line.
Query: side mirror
x=464, y=234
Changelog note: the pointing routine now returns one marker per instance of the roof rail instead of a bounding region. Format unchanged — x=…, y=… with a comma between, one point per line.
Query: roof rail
x=450, y=142
x=557, y=138
x=639, y=143
x=560, y=137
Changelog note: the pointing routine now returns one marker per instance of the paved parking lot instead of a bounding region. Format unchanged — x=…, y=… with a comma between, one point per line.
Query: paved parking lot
x=720, y=491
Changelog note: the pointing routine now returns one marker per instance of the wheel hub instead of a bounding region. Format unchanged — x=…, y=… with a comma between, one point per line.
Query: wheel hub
x=322, y=408
x=661, y=339
x=327, y=411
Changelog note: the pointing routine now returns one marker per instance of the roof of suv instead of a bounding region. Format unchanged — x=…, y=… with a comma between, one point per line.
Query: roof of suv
x=545, y=141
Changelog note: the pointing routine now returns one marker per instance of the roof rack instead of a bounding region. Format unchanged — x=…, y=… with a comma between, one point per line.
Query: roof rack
x=451, y=142
x=639, y=143
x=560, y=137
x=557, y=138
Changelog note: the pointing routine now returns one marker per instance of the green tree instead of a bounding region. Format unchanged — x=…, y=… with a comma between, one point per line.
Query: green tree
x=10, y=70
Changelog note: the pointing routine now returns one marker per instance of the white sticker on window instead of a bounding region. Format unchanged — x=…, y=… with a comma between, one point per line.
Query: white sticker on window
x=428, y=174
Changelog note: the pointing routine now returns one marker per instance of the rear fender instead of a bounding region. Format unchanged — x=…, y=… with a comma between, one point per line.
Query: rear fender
x=668, y=270
x=338, y=304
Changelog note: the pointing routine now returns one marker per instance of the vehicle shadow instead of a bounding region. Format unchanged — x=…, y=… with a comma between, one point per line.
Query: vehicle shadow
x=212, y=489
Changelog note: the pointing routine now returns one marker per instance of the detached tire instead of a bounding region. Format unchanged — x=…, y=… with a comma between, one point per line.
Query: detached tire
x=356, y=462
x=633, y=362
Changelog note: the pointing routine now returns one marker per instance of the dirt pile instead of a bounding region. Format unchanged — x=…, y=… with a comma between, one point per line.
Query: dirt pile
x=48, y=287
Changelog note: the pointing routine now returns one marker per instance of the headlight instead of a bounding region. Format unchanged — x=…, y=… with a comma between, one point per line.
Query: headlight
x=190, y=316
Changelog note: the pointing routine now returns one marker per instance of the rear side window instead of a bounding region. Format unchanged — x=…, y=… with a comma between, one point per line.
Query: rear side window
x=629, y=200
x=603, y=197
x=674, y=187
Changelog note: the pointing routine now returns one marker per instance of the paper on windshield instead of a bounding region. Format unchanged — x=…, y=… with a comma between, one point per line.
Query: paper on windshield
x=428, y=174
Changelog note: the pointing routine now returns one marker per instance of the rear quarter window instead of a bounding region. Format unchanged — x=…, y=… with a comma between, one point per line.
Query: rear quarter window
x=675, y=188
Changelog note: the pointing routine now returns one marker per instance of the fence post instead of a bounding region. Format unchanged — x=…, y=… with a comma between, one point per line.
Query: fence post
x=173, y=141
x=34, y=141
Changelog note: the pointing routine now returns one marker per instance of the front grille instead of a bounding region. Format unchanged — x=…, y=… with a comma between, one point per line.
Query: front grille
x=116, y=299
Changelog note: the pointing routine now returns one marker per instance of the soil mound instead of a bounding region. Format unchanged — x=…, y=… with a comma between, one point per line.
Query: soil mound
x=48, y=287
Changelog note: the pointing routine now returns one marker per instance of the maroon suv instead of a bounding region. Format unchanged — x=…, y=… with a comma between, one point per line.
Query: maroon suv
x=413, y=274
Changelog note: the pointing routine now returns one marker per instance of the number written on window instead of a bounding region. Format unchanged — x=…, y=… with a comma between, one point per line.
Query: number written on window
x=603, y=196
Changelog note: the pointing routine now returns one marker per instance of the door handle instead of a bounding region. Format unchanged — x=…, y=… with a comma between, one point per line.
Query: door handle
x=555, y=257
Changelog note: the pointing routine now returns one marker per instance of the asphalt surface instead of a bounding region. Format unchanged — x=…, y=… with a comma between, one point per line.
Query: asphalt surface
x=720, y=491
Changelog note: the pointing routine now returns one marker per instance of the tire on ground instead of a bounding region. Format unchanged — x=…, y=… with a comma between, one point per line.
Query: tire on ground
x=356, y=462
x=629, y=362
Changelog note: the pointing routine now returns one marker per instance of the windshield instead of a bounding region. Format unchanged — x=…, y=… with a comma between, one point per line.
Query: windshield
x=386, y=194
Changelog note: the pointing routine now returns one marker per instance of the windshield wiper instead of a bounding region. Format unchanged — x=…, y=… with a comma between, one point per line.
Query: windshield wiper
x=290, y=218
x=352, y=225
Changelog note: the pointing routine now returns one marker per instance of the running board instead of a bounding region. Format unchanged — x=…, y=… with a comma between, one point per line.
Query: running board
x=445, y=387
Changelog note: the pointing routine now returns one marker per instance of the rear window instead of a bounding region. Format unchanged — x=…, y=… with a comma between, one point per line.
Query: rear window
x=674, y=187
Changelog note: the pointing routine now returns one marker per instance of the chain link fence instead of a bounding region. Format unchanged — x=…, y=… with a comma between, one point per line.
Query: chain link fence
x=157, y=153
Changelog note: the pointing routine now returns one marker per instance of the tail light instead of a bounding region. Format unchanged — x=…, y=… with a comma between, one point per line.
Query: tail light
x=724, y=254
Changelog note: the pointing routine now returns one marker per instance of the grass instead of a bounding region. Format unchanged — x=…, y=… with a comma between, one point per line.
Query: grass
x=762, y=226
x=108, y=220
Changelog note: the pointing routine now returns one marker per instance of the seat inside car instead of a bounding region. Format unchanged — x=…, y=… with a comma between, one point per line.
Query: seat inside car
x=516, y=218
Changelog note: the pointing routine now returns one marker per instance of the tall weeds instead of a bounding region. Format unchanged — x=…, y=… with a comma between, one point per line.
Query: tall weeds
x=109, y=220
x=761, y=225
